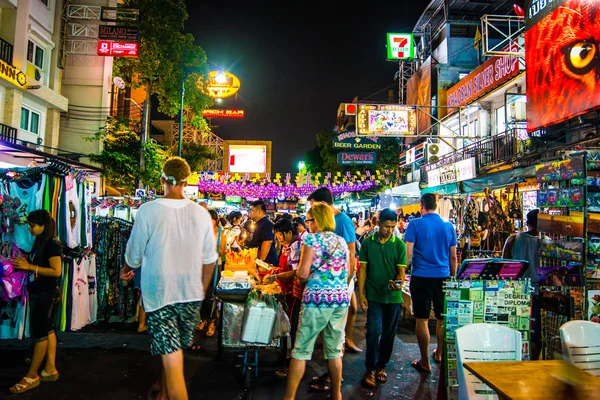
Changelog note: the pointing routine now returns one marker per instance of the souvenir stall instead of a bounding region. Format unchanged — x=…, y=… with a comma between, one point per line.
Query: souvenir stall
x=113, y=221
x=253, y=315
x=66, y=193
x=491, y=291
x=568, y=273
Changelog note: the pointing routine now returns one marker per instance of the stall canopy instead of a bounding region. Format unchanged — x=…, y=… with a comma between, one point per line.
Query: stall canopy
x=498, y=180
x=408, y=190
x=450, y=188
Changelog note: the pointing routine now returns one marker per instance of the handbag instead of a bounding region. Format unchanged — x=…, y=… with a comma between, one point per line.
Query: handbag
x=475, y=239
x=514, y=207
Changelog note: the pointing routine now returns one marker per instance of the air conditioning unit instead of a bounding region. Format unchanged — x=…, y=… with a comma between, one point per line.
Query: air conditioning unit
x=433, y=153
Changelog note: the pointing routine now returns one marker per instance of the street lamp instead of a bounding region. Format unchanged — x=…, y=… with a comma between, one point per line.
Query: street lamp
x=301, y=165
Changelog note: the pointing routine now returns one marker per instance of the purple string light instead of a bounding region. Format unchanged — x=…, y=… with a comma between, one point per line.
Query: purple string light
x=274, y=191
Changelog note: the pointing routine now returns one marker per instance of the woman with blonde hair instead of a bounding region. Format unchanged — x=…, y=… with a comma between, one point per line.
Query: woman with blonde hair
x=324, y=268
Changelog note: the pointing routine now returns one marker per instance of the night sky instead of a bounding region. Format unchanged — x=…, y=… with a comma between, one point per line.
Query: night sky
x=297, y=63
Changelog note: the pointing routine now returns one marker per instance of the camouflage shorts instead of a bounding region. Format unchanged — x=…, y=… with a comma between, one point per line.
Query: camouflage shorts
x=172, y=327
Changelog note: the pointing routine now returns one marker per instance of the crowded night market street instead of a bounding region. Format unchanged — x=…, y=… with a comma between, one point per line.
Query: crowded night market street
x=250, y=201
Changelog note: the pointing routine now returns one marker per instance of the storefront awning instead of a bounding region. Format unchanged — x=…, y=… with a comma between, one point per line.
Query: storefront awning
x=450, y=188
x=408, y=190
x=497, y=180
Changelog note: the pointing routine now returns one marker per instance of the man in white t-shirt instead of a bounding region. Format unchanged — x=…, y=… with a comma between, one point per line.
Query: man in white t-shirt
x=173, y=242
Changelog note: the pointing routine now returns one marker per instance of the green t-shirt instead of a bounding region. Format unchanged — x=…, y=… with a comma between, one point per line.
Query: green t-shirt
x=382, y=261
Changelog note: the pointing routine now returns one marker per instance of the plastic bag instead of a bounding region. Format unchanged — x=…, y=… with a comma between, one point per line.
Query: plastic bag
x=282, y=323
x=260, y=318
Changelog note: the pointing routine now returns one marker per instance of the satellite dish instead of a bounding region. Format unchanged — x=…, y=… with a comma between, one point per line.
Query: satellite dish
x=119, y=82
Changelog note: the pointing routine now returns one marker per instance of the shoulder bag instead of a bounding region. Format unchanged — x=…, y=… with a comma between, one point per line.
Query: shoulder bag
x=514, y=207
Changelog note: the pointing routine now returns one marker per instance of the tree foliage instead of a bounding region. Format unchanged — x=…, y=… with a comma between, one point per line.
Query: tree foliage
x=120, y=156
x=195, y=154
x=166, y=55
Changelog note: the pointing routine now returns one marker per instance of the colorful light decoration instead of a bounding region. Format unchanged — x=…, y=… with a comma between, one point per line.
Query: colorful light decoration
x=304, y=184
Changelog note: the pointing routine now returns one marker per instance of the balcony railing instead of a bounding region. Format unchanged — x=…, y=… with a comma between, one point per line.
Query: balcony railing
x=497, y=149
x=6, y=51
x=8, y=133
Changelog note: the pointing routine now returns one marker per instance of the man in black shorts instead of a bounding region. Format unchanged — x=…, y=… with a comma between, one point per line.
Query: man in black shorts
x=431, y=253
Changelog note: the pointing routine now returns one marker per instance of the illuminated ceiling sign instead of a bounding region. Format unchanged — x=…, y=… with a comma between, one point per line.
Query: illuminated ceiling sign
x=386, y=120
x=211, y=113
x=13, y=75
x=222, y=88
x=400, y=46
x=118, y=49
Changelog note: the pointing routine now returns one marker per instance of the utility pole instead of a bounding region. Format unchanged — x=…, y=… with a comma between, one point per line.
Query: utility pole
x=143, y=136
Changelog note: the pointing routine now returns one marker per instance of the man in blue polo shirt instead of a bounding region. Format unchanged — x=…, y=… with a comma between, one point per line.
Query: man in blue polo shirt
x=431, y=254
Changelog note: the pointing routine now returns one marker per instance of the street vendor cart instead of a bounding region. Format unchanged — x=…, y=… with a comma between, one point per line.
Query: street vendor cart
x=252, y=315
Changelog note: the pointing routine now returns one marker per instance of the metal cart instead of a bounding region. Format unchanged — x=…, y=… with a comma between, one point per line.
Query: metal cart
x=230, y=328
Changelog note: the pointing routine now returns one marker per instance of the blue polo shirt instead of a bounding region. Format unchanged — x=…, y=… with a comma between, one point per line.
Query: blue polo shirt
x=432, y=238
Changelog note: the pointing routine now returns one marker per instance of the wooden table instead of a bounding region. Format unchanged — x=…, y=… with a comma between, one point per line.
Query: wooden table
x=530, y=380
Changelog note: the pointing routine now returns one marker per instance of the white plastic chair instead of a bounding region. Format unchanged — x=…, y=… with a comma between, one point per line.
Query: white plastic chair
x=581, y=345
x=483, y=342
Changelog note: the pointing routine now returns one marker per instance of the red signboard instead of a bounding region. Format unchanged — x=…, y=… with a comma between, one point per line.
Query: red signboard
x=487, y=76
x=211, y=113
x=117, y=49
x=562, y=64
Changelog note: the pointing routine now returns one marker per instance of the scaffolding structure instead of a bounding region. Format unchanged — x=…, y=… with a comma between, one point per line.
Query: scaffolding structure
x=192, y=134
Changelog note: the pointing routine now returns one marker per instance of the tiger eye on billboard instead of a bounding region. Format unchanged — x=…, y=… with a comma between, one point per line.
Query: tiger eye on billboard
x=563, y=64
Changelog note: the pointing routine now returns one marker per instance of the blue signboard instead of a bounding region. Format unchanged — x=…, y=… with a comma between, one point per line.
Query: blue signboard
x=356, y=158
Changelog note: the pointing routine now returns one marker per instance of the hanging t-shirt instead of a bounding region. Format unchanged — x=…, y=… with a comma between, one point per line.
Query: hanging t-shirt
x=92, y=292
x=32, y=199
x=14, y=319
x=87, y=224
x=444, y=207
x=80, y=312
x=73, y=217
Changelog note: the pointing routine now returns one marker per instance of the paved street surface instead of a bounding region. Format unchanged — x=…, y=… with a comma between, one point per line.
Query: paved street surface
x=113, y=363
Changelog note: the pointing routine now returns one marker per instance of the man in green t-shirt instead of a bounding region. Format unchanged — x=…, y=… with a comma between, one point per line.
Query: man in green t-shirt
x=382, y=263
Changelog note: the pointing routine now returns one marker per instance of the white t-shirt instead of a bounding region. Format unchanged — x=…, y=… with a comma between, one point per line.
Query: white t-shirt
x=73, y=217
x=80, y=311
x=171, y=240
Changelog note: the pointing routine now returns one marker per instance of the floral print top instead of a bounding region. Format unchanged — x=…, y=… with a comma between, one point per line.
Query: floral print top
x=327, y=285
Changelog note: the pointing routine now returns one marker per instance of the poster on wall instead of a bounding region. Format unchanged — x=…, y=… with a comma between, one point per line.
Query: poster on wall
x=562, y=73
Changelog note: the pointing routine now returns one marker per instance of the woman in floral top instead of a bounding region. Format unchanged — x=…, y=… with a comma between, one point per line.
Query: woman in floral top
x=324, y=267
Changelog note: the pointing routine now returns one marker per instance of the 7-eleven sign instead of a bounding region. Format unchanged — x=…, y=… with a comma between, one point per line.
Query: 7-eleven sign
x=400, y=46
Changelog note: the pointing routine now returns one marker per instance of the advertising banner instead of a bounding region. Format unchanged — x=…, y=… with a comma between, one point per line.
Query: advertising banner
x=222, y=84
x=386, y=120
x=457, y=172
x=12, y=75
x=351, y=140
x=562, y=72
x=536, y=10
x=418, y=92
x=356, y=158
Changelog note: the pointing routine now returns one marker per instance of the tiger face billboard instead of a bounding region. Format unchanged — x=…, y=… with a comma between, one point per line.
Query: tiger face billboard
x=563, y=64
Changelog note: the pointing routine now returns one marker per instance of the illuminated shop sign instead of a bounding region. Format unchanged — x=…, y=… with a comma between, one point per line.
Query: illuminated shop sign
x=410, y=156
x=211, y=113
x=222, y=84
x=536, y=10
x=356, y=158
x=400, y=46
x=13, y=75
x=117, y=49
x=386, y=120
x=351, y=140
x=490, y=74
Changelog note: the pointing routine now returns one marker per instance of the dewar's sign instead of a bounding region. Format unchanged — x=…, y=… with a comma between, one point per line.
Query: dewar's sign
x=356, y=158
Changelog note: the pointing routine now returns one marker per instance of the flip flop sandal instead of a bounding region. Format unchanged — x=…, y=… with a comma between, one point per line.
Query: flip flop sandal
x=282, y=373
x=29, y=384
x=46, y=377
x=416, y=364
x=434, y=359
